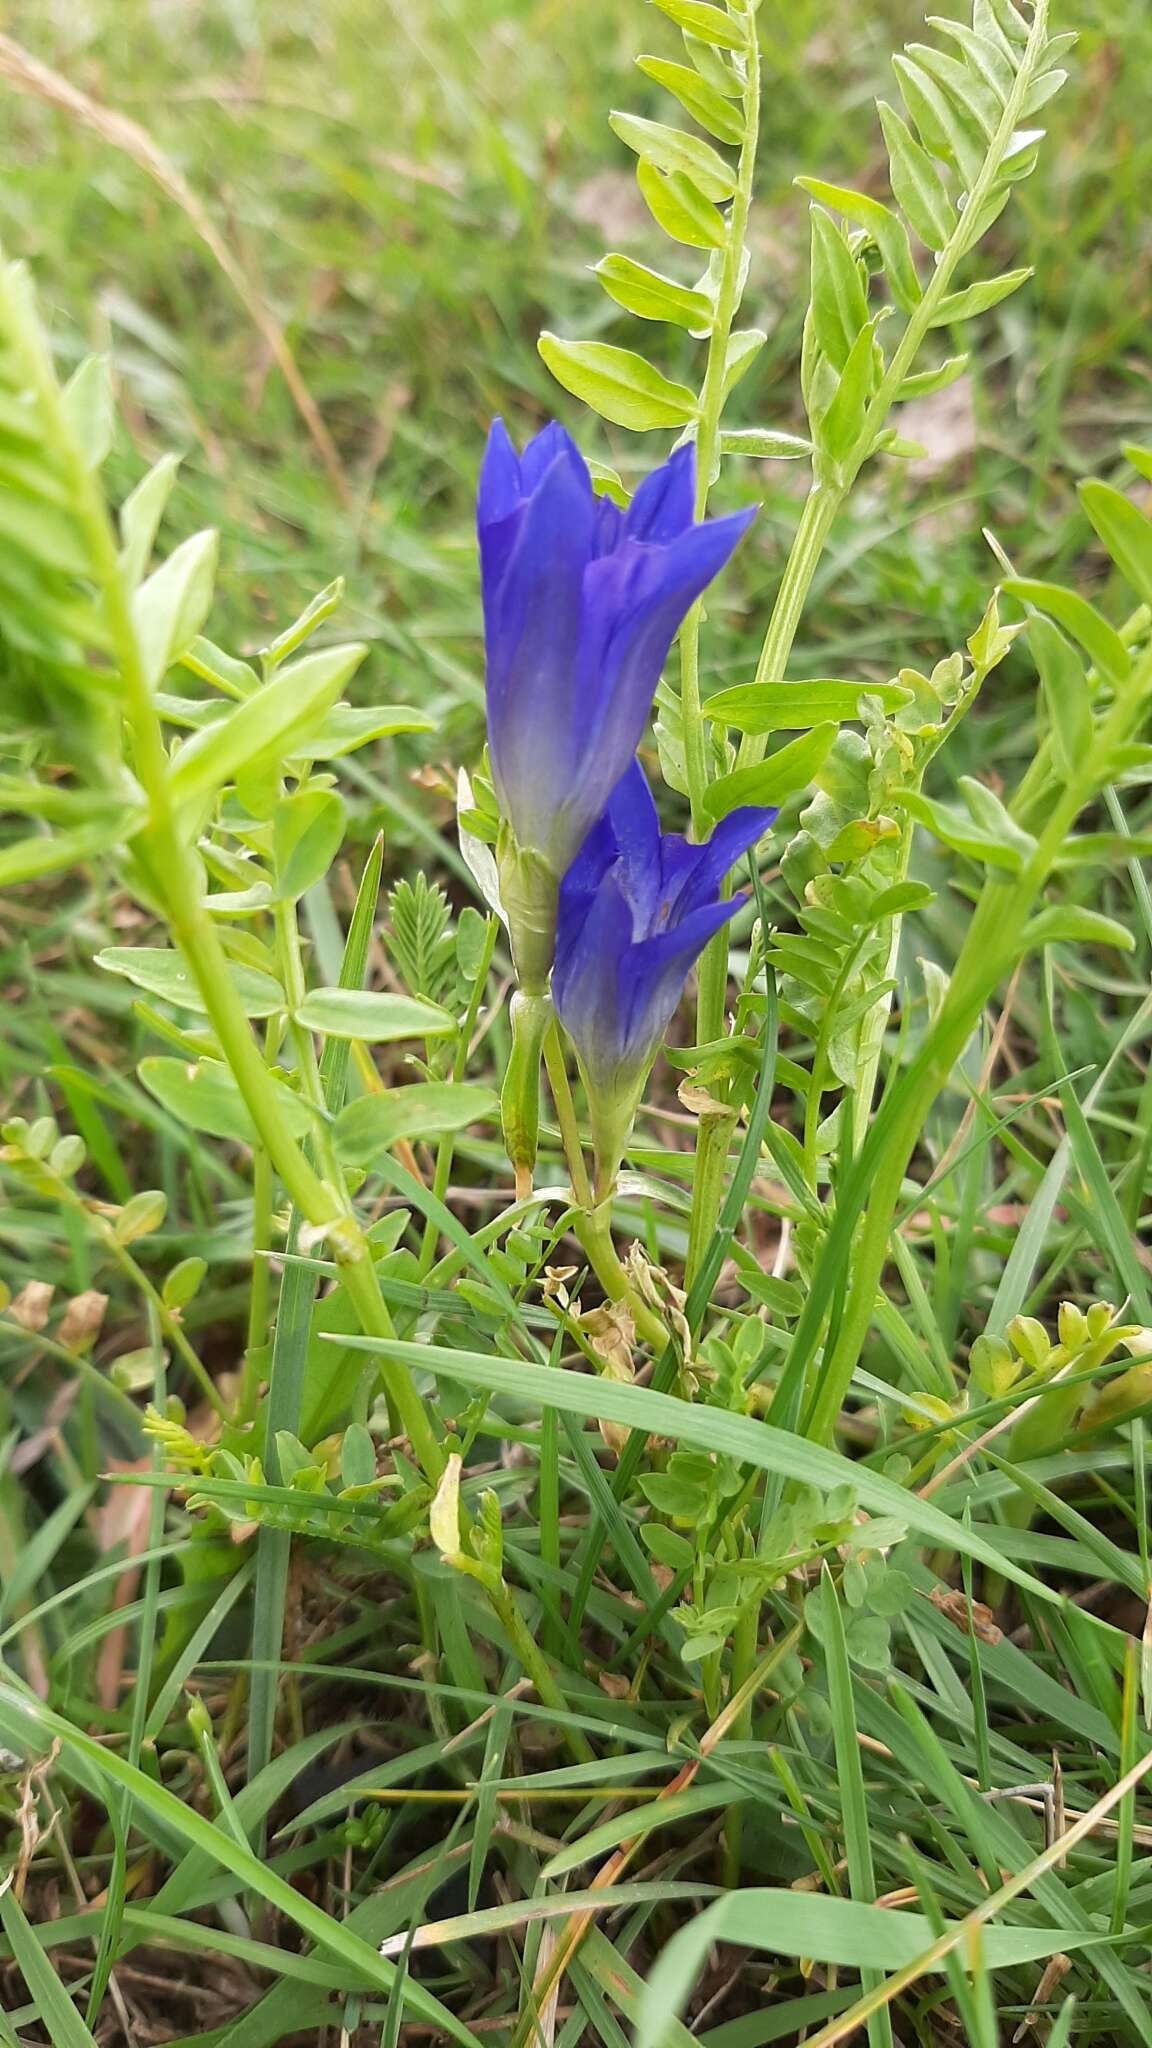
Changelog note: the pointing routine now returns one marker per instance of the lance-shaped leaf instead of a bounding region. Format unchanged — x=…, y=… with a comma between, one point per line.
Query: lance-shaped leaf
x=170, y=608
x=772, y=781
x=1125, y=531
x=710, y=24
x=702, y=100
x=1100, y=641
x=378, y=1019
x=266, y=727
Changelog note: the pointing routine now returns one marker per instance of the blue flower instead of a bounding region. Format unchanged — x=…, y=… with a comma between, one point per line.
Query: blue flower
x=636, y=909
x=581, y=605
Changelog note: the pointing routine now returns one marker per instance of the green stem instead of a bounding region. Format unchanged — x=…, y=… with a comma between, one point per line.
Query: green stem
x=174, y=878
x=260, y=1286
x=594, y=1231
x=536, y=1664
x=708, y=422
x=558, y=1081
x=990, y=950
x=821, y=507
x=446, y=1150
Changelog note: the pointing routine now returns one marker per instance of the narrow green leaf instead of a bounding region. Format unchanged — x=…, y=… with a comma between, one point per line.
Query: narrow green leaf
x=922, y=383
x=765, y=444
x=34, y=1727
x=1066, y=693
x=1099, y=640
x=617, y=384
x=1125, y=531
x=673, y=150
x=850, y=1783
x=267, y=727
x=677, y=206
x=423, y=1109
x=169, y=609
x=744, y=345
x=377, y=1018
x=701, y=100
x=917, y=186
x=140, y=517
x=653, y=297
x=978, y=298
x=348, y=726
x=784, y=707
x=839, y=301
x=791, y=768
x=837, y=431
x=710, y=24
x=1073, y=924
x=88, y=409
x=307, y=832
x=65, y=2027
x=748, y=1440
x=953, y=829
x=846, y=1933
x=886, y=229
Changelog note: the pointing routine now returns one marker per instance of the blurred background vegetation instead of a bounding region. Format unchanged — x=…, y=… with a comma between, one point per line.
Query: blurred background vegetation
x=412, y=188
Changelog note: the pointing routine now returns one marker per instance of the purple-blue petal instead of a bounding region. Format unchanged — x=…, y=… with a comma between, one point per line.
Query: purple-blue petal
x=653, y=976
x=581, y=605
x=664, y=503
x=532, y=616
x=544, y=449
x=499, y=490
x=700, y=877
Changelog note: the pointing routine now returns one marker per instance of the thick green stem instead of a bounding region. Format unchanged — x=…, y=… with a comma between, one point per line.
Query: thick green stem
x=594, y=1231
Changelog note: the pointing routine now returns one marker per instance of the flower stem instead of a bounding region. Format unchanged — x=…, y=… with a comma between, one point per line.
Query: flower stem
x=594, y=1231
x=566, y=1115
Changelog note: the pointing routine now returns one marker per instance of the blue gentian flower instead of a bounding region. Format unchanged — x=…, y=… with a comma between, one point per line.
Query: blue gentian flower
x=581, y=605
x=636, y=909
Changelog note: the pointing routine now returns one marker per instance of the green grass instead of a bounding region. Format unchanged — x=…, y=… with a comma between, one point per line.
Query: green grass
x=410, y=192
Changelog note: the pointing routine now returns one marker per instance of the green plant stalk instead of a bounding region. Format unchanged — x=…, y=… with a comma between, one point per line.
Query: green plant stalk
x=172, y=871
x=535, y=1664
x=260, y=1286
x=874, y=1024
x=446, y=1150
x=990, y=950
x=821, y=508
x=708, y=423
x=593, y=1230
x=566, y=1115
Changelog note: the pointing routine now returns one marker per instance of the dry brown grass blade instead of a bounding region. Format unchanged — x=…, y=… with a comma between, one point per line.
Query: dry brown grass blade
x=28, y=74
x=962, y=1936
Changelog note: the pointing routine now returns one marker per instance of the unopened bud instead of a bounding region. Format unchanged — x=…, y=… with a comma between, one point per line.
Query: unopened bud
x=1030, y=1339
x=1073, y=1326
